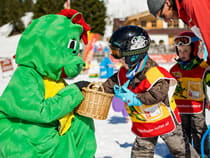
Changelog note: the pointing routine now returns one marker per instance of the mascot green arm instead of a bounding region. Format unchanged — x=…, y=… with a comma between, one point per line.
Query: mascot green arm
x=24, y=98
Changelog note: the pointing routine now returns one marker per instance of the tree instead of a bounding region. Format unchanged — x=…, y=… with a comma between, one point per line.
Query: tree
x=16, y=12
x=4, y=16
x=11, y=12
x=43, y=7
x=94, y=12
x=28, y=5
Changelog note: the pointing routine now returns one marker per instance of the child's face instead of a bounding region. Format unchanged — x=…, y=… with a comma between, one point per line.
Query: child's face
x=127, y=66
x=184, y=52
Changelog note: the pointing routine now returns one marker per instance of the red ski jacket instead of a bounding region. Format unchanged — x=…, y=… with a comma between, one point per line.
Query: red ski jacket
x=196, y=14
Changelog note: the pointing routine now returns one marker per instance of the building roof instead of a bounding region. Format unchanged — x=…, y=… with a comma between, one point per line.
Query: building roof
x=143, y=16
x=168, y=31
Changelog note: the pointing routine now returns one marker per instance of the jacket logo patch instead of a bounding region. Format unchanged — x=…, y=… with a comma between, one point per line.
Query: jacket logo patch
x=177, y=74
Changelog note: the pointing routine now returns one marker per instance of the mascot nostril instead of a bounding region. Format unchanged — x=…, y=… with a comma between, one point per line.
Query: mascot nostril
x=74, y=66
x=38, y=98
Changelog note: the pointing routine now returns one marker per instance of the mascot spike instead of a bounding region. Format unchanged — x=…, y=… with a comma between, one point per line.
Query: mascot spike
x=77, y=18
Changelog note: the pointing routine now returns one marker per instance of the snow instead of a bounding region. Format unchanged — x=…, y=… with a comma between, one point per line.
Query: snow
x=5, y=29
x=8, y=45
x=27, y=18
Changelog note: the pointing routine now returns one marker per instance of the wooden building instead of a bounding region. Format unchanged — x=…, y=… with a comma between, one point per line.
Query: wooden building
x=158, y=30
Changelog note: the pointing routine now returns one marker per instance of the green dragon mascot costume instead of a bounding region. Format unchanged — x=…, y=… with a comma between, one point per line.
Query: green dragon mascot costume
x=37, y=118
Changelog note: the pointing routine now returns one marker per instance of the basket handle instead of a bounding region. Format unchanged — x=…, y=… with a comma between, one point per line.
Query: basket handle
x=96, y=83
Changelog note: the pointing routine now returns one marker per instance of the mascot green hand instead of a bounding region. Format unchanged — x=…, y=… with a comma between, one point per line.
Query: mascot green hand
x=37, y=118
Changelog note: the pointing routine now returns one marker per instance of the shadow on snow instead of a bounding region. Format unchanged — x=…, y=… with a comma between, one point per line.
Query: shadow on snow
x=117, y=119
x=124, y=145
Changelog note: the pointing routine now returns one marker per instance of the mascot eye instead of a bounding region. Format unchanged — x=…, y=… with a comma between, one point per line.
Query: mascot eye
x=72, y=44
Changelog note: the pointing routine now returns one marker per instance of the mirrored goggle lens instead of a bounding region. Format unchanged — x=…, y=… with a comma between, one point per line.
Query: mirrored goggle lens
x=115, y=53
x=182, y=41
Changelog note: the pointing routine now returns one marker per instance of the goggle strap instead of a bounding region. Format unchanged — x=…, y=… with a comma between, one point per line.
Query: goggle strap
x=134, y=52
x=117, y=44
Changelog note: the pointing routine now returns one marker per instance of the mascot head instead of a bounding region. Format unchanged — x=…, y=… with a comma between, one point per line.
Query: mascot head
x=50, y=44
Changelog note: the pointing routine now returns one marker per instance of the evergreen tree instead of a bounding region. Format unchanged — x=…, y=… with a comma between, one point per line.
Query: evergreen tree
x=94, y=12
x=28, y=5
x=16, y=12
x=43, y=7
x=4, y=10
x=11, y=12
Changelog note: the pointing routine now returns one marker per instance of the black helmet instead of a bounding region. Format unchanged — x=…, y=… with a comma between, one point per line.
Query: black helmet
x=129, y=41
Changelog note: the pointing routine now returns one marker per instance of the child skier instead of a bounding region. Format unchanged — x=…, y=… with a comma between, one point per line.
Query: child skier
x=146, y=90
x=190, y=96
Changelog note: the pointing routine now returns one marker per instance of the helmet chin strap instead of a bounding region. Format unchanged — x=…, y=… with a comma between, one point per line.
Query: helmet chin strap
x=138, y=68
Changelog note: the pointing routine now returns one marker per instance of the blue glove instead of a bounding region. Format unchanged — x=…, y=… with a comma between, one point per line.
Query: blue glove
x=126, y=95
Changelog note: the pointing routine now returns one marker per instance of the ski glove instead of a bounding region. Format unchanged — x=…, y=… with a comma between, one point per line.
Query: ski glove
x=82, y=84
x=126, y=95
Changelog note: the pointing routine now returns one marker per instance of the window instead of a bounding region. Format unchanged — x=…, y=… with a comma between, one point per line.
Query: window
x=173, y=24
x=176, y=23
x=143, y=23
x=170, y=24
x=154, y=23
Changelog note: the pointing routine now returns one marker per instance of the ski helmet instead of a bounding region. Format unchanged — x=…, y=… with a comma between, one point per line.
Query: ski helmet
x=188, y=38
x=131, y=42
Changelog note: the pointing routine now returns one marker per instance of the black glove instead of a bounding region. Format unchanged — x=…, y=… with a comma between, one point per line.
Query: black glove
x=81, y=84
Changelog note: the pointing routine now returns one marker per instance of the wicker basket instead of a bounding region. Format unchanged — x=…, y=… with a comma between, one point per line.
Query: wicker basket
x=96, y=103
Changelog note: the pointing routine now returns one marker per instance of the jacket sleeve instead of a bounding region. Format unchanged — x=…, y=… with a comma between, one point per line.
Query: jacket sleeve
x=109, y=84
x=157, y=93
x=23, y=98
x=201, y=10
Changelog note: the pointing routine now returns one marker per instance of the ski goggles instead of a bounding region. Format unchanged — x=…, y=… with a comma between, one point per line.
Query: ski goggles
x=184, y=40
x=115, y=52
